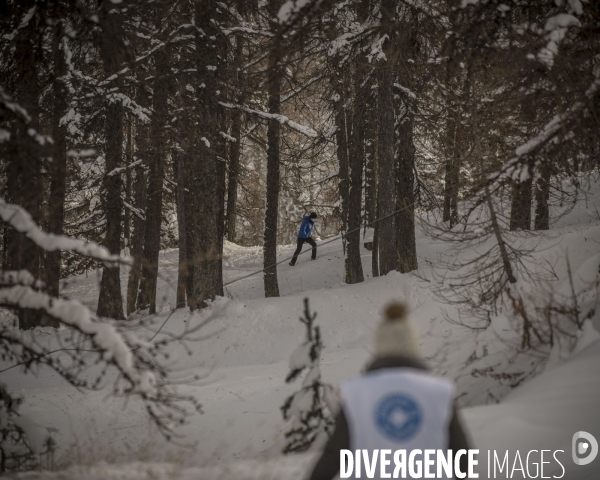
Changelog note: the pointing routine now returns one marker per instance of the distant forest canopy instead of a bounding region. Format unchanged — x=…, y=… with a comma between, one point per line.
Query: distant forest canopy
x=143, y=125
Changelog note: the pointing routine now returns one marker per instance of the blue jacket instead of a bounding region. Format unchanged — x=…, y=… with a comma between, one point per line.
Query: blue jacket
x=306, y=228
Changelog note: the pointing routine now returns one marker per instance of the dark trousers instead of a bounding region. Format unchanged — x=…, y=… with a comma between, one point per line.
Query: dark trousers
x=302, y=241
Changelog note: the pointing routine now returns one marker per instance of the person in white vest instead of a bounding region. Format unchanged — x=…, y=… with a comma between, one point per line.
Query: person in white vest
x=396, y=404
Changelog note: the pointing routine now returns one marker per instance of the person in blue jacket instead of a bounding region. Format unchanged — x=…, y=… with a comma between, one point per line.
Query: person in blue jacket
x=304, y=237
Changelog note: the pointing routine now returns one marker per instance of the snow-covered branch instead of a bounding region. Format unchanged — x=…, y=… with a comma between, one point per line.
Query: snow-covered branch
x=136, y=109
x=105, y=341
x=405, y=90
x=21, y=221
x=119, y=170
x=136, y=211
x=250, y=31
x=19, y=277
x=24, y=22
x=103, y=334
x=7, y=102
x=514, y=168
x=309, y=132
x=290, y=10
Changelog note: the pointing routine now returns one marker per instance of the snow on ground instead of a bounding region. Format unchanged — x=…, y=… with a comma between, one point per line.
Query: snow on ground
x=544, y=413
x=244, y=361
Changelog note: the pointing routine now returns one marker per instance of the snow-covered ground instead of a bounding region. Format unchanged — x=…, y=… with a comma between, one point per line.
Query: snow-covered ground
x=244, y=361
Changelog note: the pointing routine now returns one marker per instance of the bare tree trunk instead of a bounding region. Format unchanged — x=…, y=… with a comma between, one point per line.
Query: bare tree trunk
x=110, y=303
x=372, y=185
x=406, y=248
x=203, y=240
x=272, y=210
x=341, y=137
x=190, y=152
x=147, y=297
x=520, y=210
x=499, y=238
x=181, y=153
x=58, y=167
x=375, y=257
x=12, y=249
x=141, y=147
x=452, y=173
x=220, y=194
x=139, y=225
x=26, y=161
x=370, y=158
x=236, y=148
x=542, y=195
x=386, y=194
x=234, y=170
x=112, y=51
x=405, y=200
x=507, y=266
x=179, y=168
x=128, y=184
x=353, y=265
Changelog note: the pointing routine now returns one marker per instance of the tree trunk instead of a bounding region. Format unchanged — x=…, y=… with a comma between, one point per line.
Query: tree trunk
x=179, y=169
x=139, y=186
x=220, y=194
x=452, y=173
x=234, y=169
x=353, y=265
x=203, y=240
x=520, y=209
x=12, y=250
x=128, y=184
x=139, y=225
x=272, y=210
x=405, y=164
x=542, y=195
x=190, y=153
x=341, y=137
x=235, y=151
x=110, y=302
x=26, y=163
x=371, y=195
x=405, y=218
x=386, y=195
x=375, y=256
x=181, y=153
x=147, y=297
x=58, y=167
x=507, y=266
x=370, y=159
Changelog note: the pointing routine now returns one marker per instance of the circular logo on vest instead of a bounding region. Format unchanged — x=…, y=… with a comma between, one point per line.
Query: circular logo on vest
x=398, y=417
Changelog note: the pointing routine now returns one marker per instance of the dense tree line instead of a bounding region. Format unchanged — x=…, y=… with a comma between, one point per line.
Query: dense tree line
x=184, y=124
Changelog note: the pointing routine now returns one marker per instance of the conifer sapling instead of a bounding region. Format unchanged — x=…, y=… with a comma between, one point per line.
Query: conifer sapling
x=311, y=408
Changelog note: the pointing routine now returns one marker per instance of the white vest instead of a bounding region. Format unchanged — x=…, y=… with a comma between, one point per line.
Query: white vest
x=398, y=408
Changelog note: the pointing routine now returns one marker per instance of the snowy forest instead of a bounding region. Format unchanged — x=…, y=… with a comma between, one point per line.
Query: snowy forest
x=158, y=157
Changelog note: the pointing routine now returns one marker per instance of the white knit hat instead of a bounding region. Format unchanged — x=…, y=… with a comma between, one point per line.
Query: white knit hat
x=397, y=335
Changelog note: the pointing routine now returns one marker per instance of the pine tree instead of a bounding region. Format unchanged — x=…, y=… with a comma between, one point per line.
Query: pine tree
x=310, y=408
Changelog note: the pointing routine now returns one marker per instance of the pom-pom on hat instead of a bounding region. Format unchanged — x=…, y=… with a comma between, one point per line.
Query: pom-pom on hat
x=397, y=335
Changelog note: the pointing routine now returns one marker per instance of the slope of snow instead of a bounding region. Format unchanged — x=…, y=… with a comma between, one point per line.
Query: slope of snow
x=542, y=414
x=244, y=361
